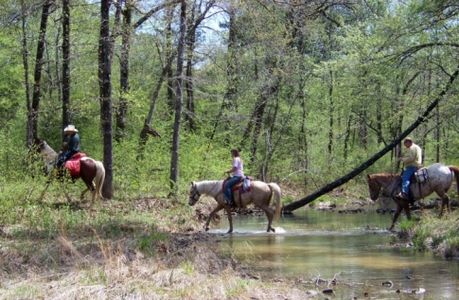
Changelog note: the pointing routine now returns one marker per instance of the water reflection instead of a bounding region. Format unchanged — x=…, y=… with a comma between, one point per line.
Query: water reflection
x=354, y=247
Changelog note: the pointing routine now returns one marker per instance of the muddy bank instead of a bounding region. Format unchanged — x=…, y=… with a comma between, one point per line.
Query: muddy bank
x=170, y=258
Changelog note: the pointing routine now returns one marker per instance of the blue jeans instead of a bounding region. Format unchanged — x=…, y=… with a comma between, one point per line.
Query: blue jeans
x=406, y=176
x=228, y=186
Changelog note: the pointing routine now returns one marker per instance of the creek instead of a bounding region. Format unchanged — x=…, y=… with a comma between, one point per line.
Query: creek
x=355, y=249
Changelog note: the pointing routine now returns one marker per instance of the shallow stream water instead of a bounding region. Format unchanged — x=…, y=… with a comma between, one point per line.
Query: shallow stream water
x=352, y=248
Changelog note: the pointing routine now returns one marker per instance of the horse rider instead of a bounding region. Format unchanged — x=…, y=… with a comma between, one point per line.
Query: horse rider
x=412, y=160
x=238, y=173
x=71, y=145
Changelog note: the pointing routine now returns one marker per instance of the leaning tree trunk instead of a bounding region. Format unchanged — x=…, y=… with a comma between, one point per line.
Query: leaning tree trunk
x=342, y=180
x=34, y=109
x=174, y=171
x=65, y=63
x=105, y=88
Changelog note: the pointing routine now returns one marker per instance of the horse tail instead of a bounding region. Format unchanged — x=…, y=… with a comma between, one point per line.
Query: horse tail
x=455, y=170
x=276, y=192
x=99, y=179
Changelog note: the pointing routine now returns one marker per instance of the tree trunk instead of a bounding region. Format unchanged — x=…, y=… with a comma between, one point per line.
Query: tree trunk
x=232, y=78
x=25, y=63
x=174, y=171
x=33, y=112
x=342, y=180
x=147, y=129
x=303, y=138
x=121, y=115
x=331, y=112
x=105, y=95
x=66, y=119
x=266, y=93
x=190, y=42
x=169, y=72
x=346, y=137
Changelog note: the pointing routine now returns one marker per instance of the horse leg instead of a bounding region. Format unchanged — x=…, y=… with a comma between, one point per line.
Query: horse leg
x=444, y=202
x=406, y=207
x=230, y=218
x=44, y=191
x=83, y=193
x=211, y=215
x=397, y=213
x=269, y=214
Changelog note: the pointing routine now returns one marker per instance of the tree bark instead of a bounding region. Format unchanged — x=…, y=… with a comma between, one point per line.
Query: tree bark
x=34, y=111
x=193, y=24
x=342, y=180
x=66, y=119
x=147, y=129
x=25, y=63
x=121, y=114
x=232, y=78
x=169, y=72
x=174, y=171
x=190, y=41
x=331, y=112
x=105, y=88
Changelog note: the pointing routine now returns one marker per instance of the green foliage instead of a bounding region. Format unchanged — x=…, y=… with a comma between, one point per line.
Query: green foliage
x=348, y=84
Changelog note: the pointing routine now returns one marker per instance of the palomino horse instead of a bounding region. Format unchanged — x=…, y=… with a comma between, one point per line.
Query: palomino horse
x=439, y=181
x=92, y=172
x=260, y=195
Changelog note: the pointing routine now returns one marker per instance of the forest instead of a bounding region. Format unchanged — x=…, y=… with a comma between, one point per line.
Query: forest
x=162, y=90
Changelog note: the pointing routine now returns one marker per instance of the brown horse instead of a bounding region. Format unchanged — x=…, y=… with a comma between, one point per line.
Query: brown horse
x=260, y=195
x=439, y=181
x=92, y=172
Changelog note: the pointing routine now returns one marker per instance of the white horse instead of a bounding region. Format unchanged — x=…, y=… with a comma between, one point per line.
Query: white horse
x=92, y=171
x=260, y=195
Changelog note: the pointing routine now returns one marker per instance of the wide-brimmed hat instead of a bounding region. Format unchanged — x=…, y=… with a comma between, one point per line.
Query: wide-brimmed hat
x=70, y=128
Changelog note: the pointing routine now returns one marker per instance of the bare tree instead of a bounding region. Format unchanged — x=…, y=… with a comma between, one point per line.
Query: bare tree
x=32, y=120
x=65, y=62
x=174, y=171
x=105, y=88
x=25, y=62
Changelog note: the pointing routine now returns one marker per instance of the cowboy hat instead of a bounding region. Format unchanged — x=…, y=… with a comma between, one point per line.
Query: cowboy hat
x=70, y=128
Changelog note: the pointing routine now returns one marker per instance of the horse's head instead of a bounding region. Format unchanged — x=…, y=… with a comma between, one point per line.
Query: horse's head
x=374, y=186
x=194, y=194
x=38, y=144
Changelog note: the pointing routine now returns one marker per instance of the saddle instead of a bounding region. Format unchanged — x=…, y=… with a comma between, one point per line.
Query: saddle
x=243, y=186
x=73, y=165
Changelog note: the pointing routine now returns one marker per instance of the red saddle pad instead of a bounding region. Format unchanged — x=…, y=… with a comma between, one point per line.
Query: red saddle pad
x=74, y=164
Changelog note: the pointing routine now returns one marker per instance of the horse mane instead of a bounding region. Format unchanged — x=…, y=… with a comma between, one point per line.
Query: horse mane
x=210, y=187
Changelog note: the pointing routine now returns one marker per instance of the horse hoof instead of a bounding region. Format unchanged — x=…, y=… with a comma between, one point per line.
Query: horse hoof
x=230, y=231
x=206, y=228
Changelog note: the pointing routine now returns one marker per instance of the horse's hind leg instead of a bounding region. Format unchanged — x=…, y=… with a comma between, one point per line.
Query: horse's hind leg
x=444, y=202
x=269, y=214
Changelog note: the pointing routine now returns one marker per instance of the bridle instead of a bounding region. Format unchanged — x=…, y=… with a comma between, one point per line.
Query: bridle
x=194, y=194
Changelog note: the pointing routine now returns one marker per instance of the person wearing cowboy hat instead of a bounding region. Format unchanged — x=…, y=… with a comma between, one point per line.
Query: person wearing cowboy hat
x=71, y=145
